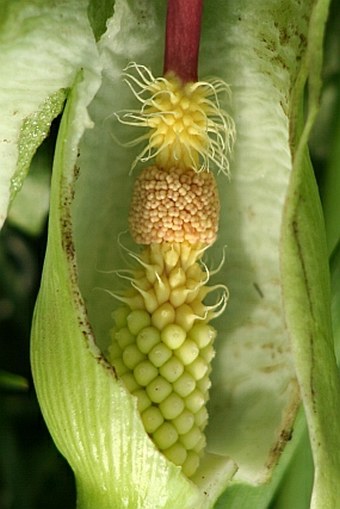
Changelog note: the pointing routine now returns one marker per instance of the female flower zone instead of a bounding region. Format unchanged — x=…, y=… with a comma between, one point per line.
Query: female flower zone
x=162, y=341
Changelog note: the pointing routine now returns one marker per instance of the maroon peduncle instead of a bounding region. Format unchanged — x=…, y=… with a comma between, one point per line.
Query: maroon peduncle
x=183, y=30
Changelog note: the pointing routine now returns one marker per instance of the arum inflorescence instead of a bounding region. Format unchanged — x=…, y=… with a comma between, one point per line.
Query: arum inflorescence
x=277, y=336
x=162, y=340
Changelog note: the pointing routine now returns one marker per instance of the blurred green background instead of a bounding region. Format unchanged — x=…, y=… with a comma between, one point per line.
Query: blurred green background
x=33, y=475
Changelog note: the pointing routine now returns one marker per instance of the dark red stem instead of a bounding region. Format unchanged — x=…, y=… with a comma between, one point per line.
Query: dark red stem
x=183, y=30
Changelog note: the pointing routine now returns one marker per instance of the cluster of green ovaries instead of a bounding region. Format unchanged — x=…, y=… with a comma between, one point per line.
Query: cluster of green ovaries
x=162, y=347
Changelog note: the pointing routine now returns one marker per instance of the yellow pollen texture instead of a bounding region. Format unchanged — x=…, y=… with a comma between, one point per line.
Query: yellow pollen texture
x=174, y=205
x=162, y=347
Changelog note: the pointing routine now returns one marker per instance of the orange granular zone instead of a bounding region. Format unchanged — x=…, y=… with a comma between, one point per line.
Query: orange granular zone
x=174, y=205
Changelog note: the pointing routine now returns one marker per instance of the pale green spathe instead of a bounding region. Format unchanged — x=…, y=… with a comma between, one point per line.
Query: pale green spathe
x=42, y=45
x=274, y=339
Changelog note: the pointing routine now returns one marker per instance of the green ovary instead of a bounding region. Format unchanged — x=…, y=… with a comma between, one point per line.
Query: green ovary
x=162, y=346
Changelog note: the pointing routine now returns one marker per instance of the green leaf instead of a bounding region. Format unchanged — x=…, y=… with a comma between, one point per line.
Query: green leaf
x=326, y=134
x=307, y=295
x=306, y=289
x=12, y=381
x=335, y=273
x=331, y=184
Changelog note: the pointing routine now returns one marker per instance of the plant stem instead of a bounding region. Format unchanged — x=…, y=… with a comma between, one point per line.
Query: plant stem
x=183, y=30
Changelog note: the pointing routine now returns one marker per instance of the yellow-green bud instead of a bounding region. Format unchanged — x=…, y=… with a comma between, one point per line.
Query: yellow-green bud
x=152, y=419
x=137, y=320
x=165, y=436
x=148, y=338
x=172, y=369
x=158, y=389
x=124, y=337
x=145, y=372
x=172, y=406
x=173, y=336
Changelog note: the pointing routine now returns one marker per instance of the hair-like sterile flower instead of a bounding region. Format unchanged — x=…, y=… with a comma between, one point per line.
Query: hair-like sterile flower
x=187, y=126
